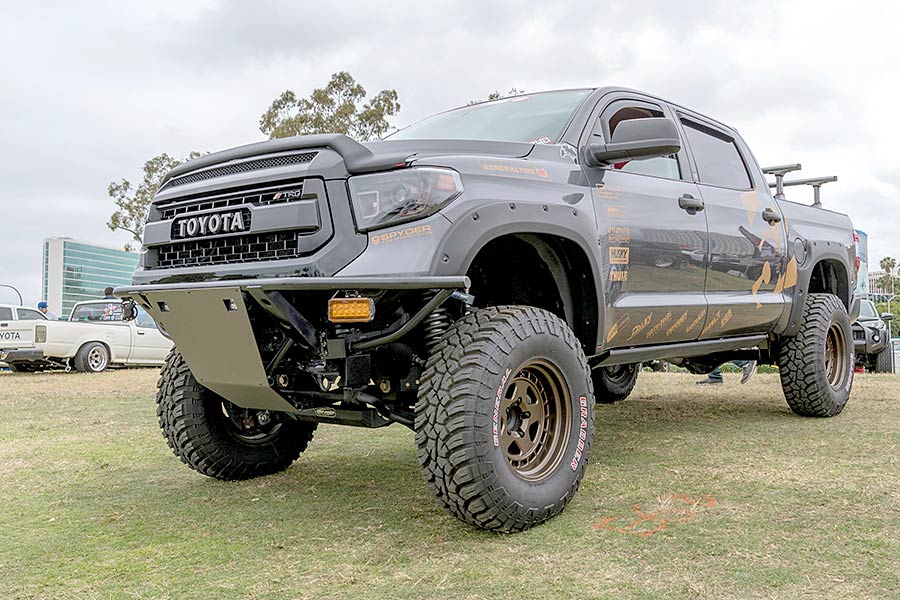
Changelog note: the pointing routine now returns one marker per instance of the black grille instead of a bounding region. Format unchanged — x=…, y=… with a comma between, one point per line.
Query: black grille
x=250, y=165
x=275, y=195
x=236, y=249
x=859, y=334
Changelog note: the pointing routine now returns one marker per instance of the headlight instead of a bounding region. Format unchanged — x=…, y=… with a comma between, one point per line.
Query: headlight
x=400, y=196
x=40, y=334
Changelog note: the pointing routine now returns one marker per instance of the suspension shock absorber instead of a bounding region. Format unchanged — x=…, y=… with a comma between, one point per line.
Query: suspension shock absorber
x=435, y=325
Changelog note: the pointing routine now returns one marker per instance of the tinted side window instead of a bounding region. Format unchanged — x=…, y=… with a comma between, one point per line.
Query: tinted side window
x=26, y=314
x=661, y=166
x=717, y=157
x=5, y=314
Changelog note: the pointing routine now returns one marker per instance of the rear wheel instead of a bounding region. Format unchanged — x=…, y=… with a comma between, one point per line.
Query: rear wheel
x=505, y=418
x=219, y=439
x=615, y=383
x=816, y=365
x=93, y=357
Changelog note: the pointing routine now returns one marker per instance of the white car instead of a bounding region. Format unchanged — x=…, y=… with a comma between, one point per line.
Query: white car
x=95, y=337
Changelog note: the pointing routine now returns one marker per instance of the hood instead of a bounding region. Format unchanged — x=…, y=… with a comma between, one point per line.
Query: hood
x=358, y=158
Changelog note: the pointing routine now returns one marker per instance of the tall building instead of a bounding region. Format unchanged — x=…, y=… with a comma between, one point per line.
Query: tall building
x=74, y=271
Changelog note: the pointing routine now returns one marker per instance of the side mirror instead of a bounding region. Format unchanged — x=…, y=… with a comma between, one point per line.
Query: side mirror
x=636, y=139
x=887, y=316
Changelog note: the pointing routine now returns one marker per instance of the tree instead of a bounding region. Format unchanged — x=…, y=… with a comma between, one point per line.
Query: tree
x=133, y=204
x=496, y=95
x=888, y=264
x=336, y=108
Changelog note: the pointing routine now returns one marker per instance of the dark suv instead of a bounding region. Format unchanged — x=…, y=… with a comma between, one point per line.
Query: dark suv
x=872, y=339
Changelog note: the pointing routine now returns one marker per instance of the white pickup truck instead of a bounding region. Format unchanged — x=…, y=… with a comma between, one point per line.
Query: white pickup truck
x=95, y=337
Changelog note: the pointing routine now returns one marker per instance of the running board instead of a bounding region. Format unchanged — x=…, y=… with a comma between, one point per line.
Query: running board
x=623, y=356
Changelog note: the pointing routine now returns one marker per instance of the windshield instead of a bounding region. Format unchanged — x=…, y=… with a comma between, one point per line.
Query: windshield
x=867, y=310
x=537, y=118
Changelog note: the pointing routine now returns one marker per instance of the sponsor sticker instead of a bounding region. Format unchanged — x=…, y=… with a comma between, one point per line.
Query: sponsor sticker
x=619, y=255
x=514, y=170
x=400, y=234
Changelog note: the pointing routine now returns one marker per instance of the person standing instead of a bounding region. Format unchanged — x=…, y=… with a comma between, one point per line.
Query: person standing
x=715, y=376
x=45, y=310
x=108, y=294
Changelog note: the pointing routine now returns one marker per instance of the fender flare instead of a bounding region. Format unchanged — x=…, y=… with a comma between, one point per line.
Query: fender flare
x=575, y=224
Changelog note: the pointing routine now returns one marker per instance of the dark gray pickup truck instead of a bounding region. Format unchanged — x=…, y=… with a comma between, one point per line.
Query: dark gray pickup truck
x=481, y=277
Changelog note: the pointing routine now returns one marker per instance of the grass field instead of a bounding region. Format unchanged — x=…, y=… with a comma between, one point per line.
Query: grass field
x=691, y=493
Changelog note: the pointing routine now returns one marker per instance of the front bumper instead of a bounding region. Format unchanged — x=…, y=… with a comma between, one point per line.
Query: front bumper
x=864, y=340
x=211, y=327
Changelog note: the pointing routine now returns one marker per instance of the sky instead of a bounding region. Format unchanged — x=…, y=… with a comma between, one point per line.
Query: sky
x=91, y=90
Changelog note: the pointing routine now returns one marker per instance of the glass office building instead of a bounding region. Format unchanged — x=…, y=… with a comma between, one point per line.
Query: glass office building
x=76, y=271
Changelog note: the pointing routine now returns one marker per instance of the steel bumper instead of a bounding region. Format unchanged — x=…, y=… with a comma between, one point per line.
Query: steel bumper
x=209, y=323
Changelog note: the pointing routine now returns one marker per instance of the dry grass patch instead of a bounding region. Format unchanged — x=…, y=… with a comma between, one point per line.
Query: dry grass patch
x=757, y=503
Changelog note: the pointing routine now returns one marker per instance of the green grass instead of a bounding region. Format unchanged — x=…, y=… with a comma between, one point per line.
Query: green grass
x=94, y=505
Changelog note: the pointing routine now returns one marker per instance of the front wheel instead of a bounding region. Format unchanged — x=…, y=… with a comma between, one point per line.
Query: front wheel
x=219, y=439
x=816, y=365
x=883, y=362
x=505, y=418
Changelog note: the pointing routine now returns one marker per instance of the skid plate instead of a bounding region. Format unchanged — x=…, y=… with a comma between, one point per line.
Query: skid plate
x=211, y=329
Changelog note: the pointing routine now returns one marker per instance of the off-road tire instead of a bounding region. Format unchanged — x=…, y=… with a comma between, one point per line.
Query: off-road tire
x=197, y=431
x=474, y=368
x=882, y=361
x=85, y=361
x=810, y=388
x=614, y=384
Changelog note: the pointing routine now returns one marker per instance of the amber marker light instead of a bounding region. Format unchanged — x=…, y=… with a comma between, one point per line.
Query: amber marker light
x=351, y=310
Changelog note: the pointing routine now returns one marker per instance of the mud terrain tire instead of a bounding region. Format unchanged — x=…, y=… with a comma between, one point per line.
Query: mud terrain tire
x=816, y=365
x=217, y=438
x=614, y=384
x=883, y=362
x=505, y=418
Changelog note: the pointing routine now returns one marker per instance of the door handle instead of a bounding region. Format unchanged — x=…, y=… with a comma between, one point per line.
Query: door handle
x=690, y=204
x=771, y=217
x=140, y=333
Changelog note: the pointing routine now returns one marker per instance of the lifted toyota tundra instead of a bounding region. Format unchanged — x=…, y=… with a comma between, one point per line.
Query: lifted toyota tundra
x=482, y=277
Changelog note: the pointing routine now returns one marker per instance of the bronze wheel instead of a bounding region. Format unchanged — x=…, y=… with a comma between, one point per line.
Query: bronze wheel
x=505, y=417
x=535, y=424
x=816, y=364
x=835, y=356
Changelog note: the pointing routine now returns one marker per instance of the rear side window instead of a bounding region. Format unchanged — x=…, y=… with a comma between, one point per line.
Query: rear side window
x=5, y=314
x=26, y=314
x=717, y=157
x=110, y=311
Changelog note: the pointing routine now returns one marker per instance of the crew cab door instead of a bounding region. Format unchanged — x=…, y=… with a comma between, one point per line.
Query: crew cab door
x=746, y=270
x=653, y=249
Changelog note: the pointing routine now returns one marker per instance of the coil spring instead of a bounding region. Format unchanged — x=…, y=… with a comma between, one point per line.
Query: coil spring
x=435, y=325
